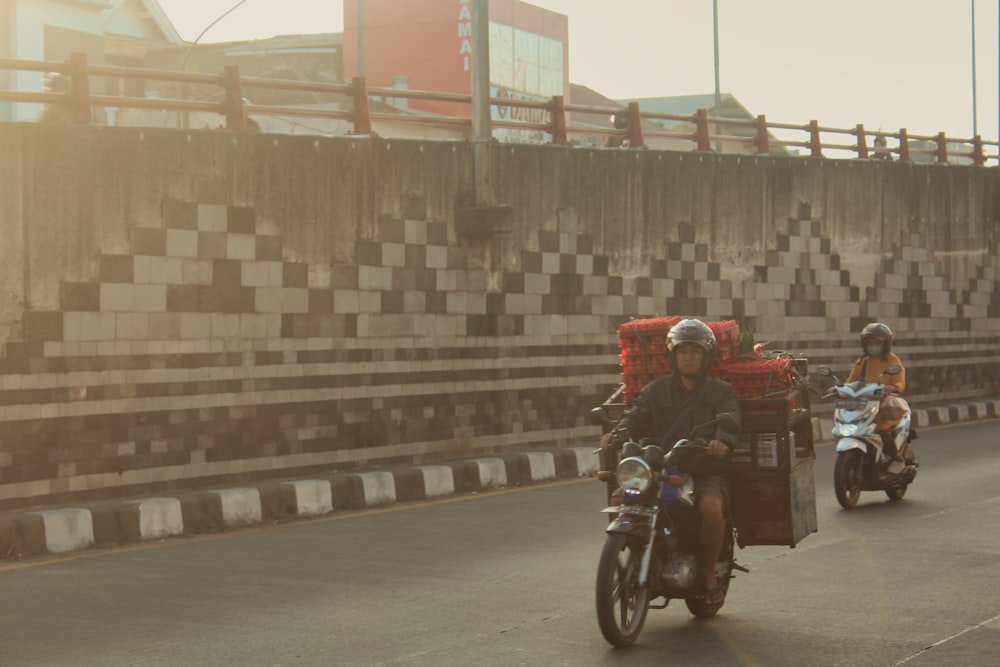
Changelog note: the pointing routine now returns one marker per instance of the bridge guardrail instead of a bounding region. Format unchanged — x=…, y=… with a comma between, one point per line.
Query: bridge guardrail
x=696, y=132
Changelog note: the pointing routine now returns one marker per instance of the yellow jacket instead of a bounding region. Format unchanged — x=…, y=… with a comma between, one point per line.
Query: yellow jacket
x=874, y=368
x=873, y=373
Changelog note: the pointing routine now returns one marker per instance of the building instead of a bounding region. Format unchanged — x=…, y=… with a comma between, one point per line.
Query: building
x=729, y=107
x=590, y=129
x=424, y=46
x=314, y=57
x=111, y=32
x=427, y=45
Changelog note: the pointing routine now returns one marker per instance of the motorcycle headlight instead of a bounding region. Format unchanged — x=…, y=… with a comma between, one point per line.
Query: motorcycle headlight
x=848, y=429
x=634, y=475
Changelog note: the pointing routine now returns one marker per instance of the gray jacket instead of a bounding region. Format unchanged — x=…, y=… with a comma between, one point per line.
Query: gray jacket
x=664, y=412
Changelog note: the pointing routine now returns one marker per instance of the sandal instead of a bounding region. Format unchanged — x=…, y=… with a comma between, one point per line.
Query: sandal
x=713, y=596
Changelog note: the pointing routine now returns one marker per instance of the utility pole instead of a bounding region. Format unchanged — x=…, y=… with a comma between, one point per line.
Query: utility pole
x=361, y=38
x=482, y=129
x=718, y=95
x=975, y=123
x=483, y=219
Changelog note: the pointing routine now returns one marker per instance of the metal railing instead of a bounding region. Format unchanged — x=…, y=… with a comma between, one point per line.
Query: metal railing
x=698, y=131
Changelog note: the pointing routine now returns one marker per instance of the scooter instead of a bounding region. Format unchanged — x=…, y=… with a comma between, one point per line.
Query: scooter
x=861, y=462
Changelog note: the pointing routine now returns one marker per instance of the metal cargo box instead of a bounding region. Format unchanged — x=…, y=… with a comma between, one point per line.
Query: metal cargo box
x=774, y=507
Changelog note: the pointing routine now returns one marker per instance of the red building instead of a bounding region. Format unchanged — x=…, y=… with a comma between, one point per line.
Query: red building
x=427, y=45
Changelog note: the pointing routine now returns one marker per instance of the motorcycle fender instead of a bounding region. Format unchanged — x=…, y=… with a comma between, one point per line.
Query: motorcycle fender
x=845, y=444
x=627, y=525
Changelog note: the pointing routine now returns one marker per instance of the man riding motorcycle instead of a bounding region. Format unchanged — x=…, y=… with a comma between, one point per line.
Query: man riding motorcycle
x=670, y=407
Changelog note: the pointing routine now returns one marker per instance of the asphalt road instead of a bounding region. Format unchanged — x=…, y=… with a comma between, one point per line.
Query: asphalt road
x=507, y=578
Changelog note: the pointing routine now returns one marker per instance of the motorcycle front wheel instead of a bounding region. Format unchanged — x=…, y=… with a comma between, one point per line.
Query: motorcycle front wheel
x=847, y=475
x=622, y=602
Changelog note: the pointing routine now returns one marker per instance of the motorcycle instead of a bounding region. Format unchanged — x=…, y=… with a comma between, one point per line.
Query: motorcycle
x=652, y=541
x=861, y=462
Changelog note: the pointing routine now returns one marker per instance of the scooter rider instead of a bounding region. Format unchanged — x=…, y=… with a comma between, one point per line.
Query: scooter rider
x=668, y=408
x=876, y=345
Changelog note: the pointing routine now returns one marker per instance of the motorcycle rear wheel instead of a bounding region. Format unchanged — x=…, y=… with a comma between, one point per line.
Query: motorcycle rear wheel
x=701, y=609
x=847, y=476
x=622, y=602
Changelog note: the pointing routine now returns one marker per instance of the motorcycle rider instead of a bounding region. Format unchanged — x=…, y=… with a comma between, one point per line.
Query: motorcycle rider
x=667, y=409
x=876, y=346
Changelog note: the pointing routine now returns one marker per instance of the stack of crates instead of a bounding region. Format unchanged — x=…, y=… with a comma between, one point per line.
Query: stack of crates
x=643, y=345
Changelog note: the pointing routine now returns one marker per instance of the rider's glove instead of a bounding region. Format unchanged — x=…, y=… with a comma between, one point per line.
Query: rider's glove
x=620, y=436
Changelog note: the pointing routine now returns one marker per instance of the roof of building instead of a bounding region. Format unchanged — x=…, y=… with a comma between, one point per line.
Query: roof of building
x=684, y=105
x=90, y=3
x=582, y=95
x=688, y=105
x=152, y=13
x=326, y=41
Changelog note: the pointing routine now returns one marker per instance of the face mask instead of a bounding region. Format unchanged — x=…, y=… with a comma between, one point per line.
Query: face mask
x=873, y=350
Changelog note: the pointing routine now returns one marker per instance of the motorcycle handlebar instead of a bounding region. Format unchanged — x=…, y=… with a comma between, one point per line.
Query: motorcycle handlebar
x=884, y=390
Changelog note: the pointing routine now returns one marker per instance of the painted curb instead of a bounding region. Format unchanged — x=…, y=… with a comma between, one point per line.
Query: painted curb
x=112, y=523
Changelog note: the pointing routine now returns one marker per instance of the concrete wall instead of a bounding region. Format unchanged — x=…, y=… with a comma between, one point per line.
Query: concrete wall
x=186, y=308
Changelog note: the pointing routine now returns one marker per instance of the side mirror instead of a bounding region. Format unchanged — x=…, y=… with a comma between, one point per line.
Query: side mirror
x=599, y=417
x=893, y=369
x=727, y=421
x=825, y=371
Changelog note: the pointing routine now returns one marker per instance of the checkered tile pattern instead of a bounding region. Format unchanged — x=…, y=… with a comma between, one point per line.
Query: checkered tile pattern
x=205, y=352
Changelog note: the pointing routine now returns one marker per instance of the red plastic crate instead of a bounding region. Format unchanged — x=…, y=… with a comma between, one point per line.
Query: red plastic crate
x=643, y=346
x=760, y=378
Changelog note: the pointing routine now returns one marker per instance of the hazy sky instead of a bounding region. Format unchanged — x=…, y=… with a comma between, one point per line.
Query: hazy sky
x=885, y=63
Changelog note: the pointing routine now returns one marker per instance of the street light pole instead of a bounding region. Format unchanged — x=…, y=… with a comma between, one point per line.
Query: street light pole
x=718, y=95
x=975, y=124
x=182, y=120
x=361, y=38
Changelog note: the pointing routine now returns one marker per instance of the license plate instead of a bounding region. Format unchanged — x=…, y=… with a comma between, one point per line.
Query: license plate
x=854, y=404
x=631, y=510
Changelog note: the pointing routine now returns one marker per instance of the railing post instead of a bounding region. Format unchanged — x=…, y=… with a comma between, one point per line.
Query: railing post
x=559, y=134
x=762, y=140
x=862, y=144
x=635, y=139
x=815, y=147
x=942, y=148
x=79, y=89
x=701, y=136
x=904, y=146
x=362, y=119
x=977, y=151
x=235, y=112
